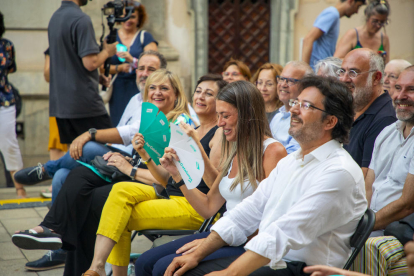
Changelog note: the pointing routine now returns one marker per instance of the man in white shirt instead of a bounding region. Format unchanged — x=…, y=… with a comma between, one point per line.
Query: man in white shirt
x=287, y=89
x=390, y=177
x=309, y=206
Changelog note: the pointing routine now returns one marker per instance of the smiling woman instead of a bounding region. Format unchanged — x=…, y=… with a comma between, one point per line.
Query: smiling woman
x=368, y=35
x=235, y=70
x=266, y=82
x=163, y=88
x=81, y=200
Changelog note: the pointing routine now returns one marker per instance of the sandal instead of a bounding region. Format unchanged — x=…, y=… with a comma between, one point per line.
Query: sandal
x=30, y=239
x=90, y=273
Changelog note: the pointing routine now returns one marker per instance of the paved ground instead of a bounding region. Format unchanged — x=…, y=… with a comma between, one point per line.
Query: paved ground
x=13, y=259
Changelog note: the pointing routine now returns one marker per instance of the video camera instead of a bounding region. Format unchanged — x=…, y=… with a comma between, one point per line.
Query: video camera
x=114, y=12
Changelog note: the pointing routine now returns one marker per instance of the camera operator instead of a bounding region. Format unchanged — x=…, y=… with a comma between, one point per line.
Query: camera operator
x=74, y=59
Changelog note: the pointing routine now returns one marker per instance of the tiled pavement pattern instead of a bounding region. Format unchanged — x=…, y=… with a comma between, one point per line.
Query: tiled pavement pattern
x=13, y=259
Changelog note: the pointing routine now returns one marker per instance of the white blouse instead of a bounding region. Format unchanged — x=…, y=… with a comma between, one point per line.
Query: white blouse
x=235, y=196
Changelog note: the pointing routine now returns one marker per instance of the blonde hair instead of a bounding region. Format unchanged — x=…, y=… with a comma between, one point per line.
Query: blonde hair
x=181, y=103
x=252, y=127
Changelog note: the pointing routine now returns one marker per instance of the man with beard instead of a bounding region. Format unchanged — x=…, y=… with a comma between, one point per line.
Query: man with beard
x=390, y=178
x=287, y=89
x=390, y=184
x=309, y=206
x=362, y=72
x=391, y=73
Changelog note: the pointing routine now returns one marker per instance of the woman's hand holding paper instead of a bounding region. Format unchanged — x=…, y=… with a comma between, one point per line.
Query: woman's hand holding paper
x=167, y=161
x=138, y=144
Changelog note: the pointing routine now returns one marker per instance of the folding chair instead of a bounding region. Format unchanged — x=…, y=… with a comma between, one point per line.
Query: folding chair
x=362, y=232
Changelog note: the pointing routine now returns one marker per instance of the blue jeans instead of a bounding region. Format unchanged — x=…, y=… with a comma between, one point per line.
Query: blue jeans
x=156, y=260
x=57, y=182
x=89, y=151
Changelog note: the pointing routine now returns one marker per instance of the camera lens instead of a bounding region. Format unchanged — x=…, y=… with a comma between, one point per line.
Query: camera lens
x=109, y=11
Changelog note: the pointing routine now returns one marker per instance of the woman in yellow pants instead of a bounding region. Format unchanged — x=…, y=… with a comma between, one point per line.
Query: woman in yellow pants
x=132, y=206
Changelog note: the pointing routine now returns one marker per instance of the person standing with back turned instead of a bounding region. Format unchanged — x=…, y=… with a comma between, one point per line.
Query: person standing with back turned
x=74, y=58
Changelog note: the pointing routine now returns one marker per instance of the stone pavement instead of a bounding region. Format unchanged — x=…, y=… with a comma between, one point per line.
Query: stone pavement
x=13, y=259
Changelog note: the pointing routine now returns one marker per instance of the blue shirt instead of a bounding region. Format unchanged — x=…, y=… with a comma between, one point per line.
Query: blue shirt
x=323, y=47
x=366, y=128
x=280, y=126
x=7, y=65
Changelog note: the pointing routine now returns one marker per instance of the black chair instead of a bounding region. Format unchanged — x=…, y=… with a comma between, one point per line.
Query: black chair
x=362, y=232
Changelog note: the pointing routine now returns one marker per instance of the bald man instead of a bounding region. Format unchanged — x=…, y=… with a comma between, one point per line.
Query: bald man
x=362, y=71
x=392, y=72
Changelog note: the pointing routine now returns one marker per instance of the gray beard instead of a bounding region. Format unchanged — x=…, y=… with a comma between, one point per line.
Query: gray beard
x=362, y=96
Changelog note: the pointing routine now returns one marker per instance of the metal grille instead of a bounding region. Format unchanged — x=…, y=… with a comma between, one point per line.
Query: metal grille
x=238, y=29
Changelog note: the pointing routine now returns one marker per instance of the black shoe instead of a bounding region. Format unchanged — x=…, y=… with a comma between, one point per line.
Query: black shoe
x=31, y=175
x=30, y=239
x=52, y=259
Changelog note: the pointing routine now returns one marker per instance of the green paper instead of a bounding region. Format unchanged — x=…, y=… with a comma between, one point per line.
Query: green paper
x=156, y=131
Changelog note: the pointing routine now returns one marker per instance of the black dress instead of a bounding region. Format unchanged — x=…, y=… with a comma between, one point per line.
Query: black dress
x=77, y=210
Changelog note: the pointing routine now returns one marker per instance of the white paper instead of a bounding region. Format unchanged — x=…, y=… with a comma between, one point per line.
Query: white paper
x=191, y=165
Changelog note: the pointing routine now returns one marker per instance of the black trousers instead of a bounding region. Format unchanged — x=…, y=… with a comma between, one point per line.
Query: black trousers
x=76, y=214
x=292, y=269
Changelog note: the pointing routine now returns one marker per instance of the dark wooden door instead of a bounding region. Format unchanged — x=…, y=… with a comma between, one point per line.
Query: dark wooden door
x=238, y=29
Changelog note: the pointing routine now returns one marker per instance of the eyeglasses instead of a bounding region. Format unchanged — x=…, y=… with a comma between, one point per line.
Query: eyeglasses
x=289, y=81
x=378, y=22
x=304, y=105
x=265, y=84
x=391, y=76
x=351, y=73
x=228, y=74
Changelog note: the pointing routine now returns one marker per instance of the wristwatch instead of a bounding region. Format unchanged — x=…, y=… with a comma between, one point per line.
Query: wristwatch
x=92, y=132
x=133, y=172
x=178, y=184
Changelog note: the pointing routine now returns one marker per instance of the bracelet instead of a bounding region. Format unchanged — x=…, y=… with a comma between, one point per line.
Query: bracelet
x=116, y=68
x=146, y=162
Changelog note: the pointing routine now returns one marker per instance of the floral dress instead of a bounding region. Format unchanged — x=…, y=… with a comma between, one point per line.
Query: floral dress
x=7, y=65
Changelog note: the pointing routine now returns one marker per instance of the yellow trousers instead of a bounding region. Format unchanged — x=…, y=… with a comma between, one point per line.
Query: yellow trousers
x=132, y=206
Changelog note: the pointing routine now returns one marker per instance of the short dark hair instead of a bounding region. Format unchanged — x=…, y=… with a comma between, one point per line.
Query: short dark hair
x=163, y=61
x=2, y=28
x=338, y=102
x=218, y=79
